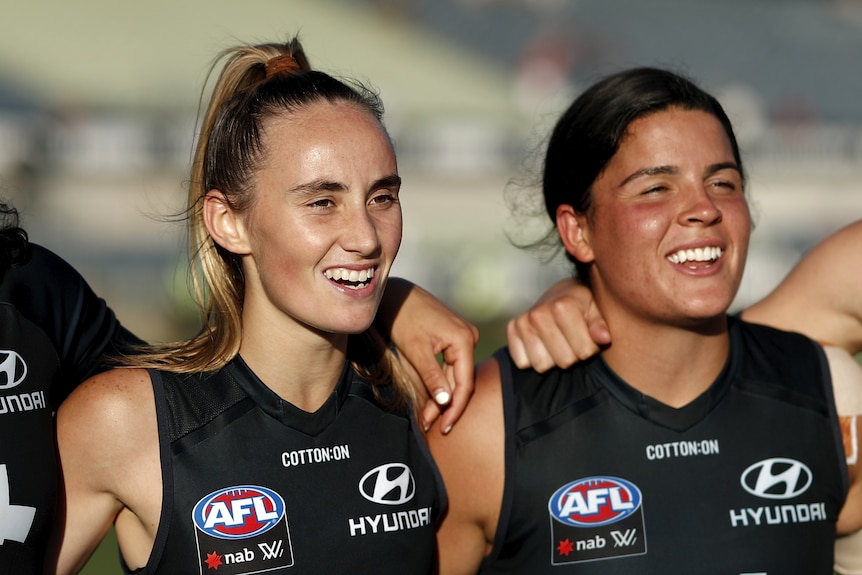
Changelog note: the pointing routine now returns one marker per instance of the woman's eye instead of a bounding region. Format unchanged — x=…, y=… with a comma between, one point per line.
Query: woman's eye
x=724, y=185
x=382, y=199
x=653, y=190
x=324, y=203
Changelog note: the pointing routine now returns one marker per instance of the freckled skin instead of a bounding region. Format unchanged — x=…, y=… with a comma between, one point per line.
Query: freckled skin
x=326, y=196
x=671, y=185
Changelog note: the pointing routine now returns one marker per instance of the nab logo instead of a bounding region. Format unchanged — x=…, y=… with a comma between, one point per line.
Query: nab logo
x=389, y=484
x=13, y=370
x=594, y=501
x=238, y=512
x=777, y=478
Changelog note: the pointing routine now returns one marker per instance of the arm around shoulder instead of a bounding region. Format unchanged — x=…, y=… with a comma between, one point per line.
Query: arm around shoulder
x=422, y=327
x=107, y=441
x=471, y=459
x=822, y=295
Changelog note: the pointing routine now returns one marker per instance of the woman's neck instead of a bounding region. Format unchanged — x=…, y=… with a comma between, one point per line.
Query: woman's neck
x=671, y=364
x=299, y=364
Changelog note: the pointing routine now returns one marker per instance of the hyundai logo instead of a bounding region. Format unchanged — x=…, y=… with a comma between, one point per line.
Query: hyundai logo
x=389, y=484
x=13, y=370
x=777, y=478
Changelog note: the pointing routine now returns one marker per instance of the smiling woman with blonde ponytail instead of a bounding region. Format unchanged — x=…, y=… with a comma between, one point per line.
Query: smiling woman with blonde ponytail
x=282, y=437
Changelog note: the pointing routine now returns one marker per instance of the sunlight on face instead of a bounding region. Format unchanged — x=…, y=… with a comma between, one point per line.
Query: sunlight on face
x=325, y=224
x=669, y=227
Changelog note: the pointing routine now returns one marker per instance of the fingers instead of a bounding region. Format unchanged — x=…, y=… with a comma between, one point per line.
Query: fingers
x=430, y=412
x=435, y=382
x=546, y=339
x=423, y=327
x=459, y=369
x=556, y=333
x=429, y=381
x=599, y=330
x=517, y=349
x=526, y=347
x=450, y=384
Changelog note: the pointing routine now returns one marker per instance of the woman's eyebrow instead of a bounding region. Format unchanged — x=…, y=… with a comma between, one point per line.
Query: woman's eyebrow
x=672, y=170
x=715, y=168
x=651, y=171
x=391, y=181
x=317, y=186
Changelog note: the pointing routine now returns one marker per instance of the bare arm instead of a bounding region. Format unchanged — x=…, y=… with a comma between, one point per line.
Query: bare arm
x=108, y=447
x=422, y=327
x=822, y=295
x=471, y=460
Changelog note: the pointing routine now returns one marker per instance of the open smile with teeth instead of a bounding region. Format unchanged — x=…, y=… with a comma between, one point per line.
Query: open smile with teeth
x=709, y=254
x=353, y=279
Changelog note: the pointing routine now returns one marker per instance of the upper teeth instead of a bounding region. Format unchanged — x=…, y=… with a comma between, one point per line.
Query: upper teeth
x=696, y=255
x=349, y=275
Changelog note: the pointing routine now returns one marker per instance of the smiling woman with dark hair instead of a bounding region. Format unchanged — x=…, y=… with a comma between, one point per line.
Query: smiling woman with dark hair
x=694, y=442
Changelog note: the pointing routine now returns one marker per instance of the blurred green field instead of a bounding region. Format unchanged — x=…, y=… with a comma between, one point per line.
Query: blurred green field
x=105, y=561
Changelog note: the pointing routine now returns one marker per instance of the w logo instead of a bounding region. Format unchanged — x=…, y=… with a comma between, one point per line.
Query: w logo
x=271, y=550
x=626, y=539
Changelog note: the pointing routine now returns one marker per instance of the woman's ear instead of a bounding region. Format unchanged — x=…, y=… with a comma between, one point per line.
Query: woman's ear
x=574, y=231
x=225, y=225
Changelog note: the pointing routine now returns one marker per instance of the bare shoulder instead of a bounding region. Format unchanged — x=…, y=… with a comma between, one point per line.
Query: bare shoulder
x=488, y=390
x=471, y=459
x=478, y=437
x=105, y=416
x=107, y=438
x=484, y=410
x=119, y=396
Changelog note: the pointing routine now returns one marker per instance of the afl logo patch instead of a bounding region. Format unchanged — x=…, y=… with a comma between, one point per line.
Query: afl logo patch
x=594, y=501
x=238, y=512
x=777, y=478
x=389, y=484
x=13, y=370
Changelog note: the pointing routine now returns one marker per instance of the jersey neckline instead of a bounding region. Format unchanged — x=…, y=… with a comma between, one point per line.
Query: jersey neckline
x=310, y=423
x=676, y=418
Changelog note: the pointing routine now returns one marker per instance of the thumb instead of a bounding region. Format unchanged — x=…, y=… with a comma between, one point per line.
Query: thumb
x=599, y=330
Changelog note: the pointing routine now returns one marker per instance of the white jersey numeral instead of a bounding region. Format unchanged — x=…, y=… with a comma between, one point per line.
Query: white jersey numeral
x=15, y=520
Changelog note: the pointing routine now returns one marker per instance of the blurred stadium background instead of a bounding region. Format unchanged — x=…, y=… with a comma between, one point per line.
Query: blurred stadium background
x=98, y=101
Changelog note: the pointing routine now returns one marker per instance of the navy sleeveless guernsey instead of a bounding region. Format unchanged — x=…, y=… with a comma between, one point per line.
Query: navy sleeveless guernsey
x=253, y=484
x=54, y=332
x=748, y=478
